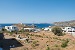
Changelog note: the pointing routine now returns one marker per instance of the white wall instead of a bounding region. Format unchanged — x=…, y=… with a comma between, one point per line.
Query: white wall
x=11, y=28
x=47, y=29
x=69, y=30
x=30, y=29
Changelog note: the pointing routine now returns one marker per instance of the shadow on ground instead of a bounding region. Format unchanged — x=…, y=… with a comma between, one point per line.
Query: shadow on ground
x=6, y=44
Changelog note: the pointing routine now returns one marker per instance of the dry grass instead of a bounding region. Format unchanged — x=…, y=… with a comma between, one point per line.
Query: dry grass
x=44, y=39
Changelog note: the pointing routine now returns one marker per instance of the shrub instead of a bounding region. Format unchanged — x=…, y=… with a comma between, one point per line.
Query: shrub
x=57, y=31
x=22, y=30
x=38, y=36
x=4, y=29
x=34, y=44
x=10, y=33
x=48, y=48
x=46, y=36
x=56, y=48
x=56, y=45
x=27, y=33
x=1, y=32
x=25, y=49
x=65, y=43
x=27, y=40
x=31, y=34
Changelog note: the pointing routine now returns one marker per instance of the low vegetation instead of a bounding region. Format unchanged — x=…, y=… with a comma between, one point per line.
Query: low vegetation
x=57, y=31
x=56, y=45
x=48, y=48
x=34, y=43
x=27, y=40
x=41, y=41
x=22, y=30
x=4, y=29
x=65, y=43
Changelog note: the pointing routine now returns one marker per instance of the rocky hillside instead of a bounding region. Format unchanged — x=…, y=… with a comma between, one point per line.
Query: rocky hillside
x=44, y=40
x=65, y=23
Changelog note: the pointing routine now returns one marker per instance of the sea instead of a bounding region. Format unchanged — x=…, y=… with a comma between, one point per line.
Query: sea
x=37, y=25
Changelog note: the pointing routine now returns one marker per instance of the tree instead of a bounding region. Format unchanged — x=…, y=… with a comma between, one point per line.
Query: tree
x=57, y=30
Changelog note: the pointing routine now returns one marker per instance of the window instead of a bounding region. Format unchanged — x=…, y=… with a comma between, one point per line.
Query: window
x=68, y=28
x=8, y=27
x=14, y=27
x=69, y=31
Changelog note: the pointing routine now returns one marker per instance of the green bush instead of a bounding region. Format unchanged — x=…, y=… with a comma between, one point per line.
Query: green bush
x=48, y=48
x=10, y=33
x=38, y=36
x=22, y=30
x=65, y=43
x=4, y=29
x=34, y=44
x=56, y=45
x=57, y=31
x=27, y=40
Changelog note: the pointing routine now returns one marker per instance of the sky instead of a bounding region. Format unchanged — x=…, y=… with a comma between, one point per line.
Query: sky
x=36, y=11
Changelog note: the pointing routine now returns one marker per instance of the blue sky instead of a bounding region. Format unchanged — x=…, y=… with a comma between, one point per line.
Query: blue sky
x=37, y=11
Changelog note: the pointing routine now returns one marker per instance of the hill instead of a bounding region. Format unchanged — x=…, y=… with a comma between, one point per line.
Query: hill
x=44, y=40
x=65, y=23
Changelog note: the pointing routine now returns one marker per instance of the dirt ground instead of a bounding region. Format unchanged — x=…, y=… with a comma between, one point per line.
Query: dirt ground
x=45, y=39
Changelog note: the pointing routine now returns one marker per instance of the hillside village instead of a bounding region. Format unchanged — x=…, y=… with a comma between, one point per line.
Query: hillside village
x=24, y=37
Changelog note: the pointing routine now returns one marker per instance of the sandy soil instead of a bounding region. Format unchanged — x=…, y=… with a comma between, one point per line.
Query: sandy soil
x=44, y=39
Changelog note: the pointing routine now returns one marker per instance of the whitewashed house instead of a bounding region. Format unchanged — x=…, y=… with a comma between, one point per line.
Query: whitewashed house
x=11, y=28
x=37, y=30
x=29, y=29
x=70, y=30
x=47, y=29
x=32, y=29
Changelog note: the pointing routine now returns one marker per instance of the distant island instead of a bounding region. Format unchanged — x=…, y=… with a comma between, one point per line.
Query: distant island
x=65, y=23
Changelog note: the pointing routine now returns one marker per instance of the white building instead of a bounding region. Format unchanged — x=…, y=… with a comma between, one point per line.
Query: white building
x=11, y=28
x=32, y=29
x=69, y=30
x=47, y=29
x=29, y=29
x=37, y=30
